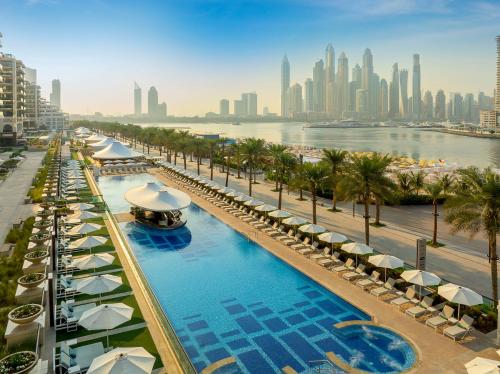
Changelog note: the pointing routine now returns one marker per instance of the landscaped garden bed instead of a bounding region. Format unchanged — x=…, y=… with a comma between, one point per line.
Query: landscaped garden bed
x=36, y=256
x=25, y=313
x=31, y=280
x=18, y=363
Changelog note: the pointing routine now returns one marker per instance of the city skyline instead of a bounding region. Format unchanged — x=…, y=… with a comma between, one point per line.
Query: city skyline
x=457, y=58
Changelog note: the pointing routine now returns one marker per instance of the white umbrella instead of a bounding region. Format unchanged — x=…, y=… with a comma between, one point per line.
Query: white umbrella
x=105, y=317
x=280, y=214
x=83, y=214
x=460, y=295
x=133, y=360
x=80, y=206
x=225, y=190
x=332, y=238
x=98, y=284
x=481, y=365
x=243, y=198
x=421, y=278
x=312, y=229
x=93, y=261
x=84, y=228
x=87, y=242
x=357, y=249
x=253, y=203
x=294, y=221
x=266, y=208
x=234, y=194
x=386, y=262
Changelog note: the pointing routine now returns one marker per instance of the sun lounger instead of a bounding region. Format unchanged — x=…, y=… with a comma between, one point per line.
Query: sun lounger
x=460, y=330
x=347, y=266
x=78, y=360
x=302, y=245
x=442, y=318
x=409, y=296
x=289, y=235
x=272, y=228
x=353, y=275
x=386, y=288
x=425, y=306
x=277, y=232
x=294, y=240
x=326, y=262
x=367, y=282
x=262, y=225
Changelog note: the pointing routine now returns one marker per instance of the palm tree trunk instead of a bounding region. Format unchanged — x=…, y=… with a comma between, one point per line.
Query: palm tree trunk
x=250, y=183
x=435, y=232
x=160, y=147
x=238, y=166
x=198, y=164
x=334, y=197
x=492, y=244
x=313, y=194
x=211, y=166
x=142, y=146
x=280, y=192
x=175, y=157
x=190, y=156
x=185, y=161
x=227, y=171
x=148, y=148
x=275, y=177
x=367, y=221
x=377, y=211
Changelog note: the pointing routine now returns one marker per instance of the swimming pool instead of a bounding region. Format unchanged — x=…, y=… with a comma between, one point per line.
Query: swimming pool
x=227, y=296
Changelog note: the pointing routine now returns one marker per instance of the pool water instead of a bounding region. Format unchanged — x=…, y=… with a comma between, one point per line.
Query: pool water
x=227, y=296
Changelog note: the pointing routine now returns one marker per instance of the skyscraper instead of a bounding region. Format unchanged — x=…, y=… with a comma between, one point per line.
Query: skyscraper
x=342, y=83
x=394, y=92
x=329, y=79
x=375, y=97
x=497, y=95
x=239, y=108
x=285, y=85
x=428, y=109
x=354, y=85
x=55, y=96
x=468, y=107
x=367, y=79
x=295, y=99
x=308, y=95
x=249, y=104
x=224, y=107
x=319, y=86
x=403, y=85
x=416, y=94
x=153, y=102
x=384, y=98
x=362, y=102
x=440, y=106
x=137, y=100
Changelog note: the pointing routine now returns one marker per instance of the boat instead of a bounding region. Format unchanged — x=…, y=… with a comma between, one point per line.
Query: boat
x=236, y=123
x=347, y=123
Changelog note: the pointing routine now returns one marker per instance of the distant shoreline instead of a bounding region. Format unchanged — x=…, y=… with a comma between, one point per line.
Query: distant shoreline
x=466, y=133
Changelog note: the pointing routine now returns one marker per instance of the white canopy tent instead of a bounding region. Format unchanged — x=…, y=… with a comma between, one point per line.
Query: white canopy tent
x=116, y=151
x=157, y=199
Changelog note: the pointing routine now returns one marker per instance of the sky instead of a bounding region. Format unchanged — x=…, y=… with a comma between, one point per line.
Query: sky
x=196, y=52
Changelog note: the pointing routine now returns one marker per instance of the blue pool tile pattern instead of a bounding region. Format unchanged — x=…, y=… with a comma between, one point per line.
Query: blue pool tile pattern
x=227, y=296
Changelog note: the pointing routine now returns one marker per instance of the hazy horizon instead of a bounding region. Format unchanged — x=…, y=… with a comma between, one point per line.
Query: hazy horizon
x=196, y=52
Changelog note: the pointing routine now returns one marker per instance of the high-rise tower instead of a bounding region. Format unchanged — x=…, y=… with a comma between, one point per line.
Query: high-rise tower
x=137, y=100
x=342, y=83
x=153, y=102
x=497, y=94
x=367, y=79
x=308, y=95
x=416, y=94
x=285, y=85
x=394, y=92
x=403, y=86
x=319, y=86
x=55, y=96
x=329, y=79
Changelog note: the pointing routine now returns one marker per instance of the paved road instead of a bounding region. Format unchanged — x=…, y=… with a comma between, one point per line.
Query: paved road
x=13, y=191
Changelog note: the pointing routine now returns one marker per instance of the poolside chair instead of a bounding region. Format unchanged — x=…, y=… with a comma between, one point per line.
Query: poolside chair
x=408, y=297
x=347, y=266
x=272, y=228
x=425, y=306
x=230, y=206
x=293, y=240
x=386, y=288
x=277, y=232
x=66, y=286
x=79, y=359
x=288, y=235
x=67, y=319
x=461, y=329
x=301, y=245
x=319, y=255
x=443, y=318
x=262, y=223
x=252, y=216
x=371, y=281
x=326, y=261
x=356, y=274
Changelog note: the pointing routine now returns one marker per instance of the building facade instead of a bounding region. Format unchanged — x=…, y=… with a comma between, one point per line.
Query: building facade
x=12, y=99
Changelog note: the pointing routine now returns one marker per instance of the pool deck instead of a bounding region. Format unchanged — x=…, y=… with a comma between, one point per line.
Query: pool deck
x=436, y=353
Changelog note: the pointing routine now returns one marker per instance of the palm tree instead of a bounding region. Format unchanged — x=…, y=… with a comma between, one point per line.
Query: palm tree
x=364, y=177
x=228, y=164
x=275, y=152
x=236, y=151
x=435, y=191
x=212, y=144
x=254, y=151
x=417, y=180
x=198, y=146
x=447, y=182
x=286, y=163
x=335, y=159
x=223, y=142
x=474, y=207
x=405, y=184
x=315, y=175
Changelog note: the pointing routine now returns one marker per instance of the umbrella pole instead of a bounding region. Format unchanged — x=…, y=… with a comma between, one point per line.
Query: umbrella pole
x=458, y=316
x=107, y=338
x=385, y=274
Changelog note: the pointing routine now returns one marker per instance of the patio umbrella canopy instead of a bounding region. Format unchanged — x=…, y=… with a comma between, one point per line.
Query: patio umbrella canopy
x=243, y=198
x=357, y=249
x=332, y=238
x=93, y=261
x=130, y=360
x=481, y=365
x=105, y=317
x=84, y=228
x=294, y=221
x=83, y=214
x=460, y=295
x=421, y=278
x=163, y=199
x=98, y=284
x=87, y=242
x=311, y=228
x=280, y=214
x=266, y=208
x=116, y=151
x=386, y=262
x=81, y=206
